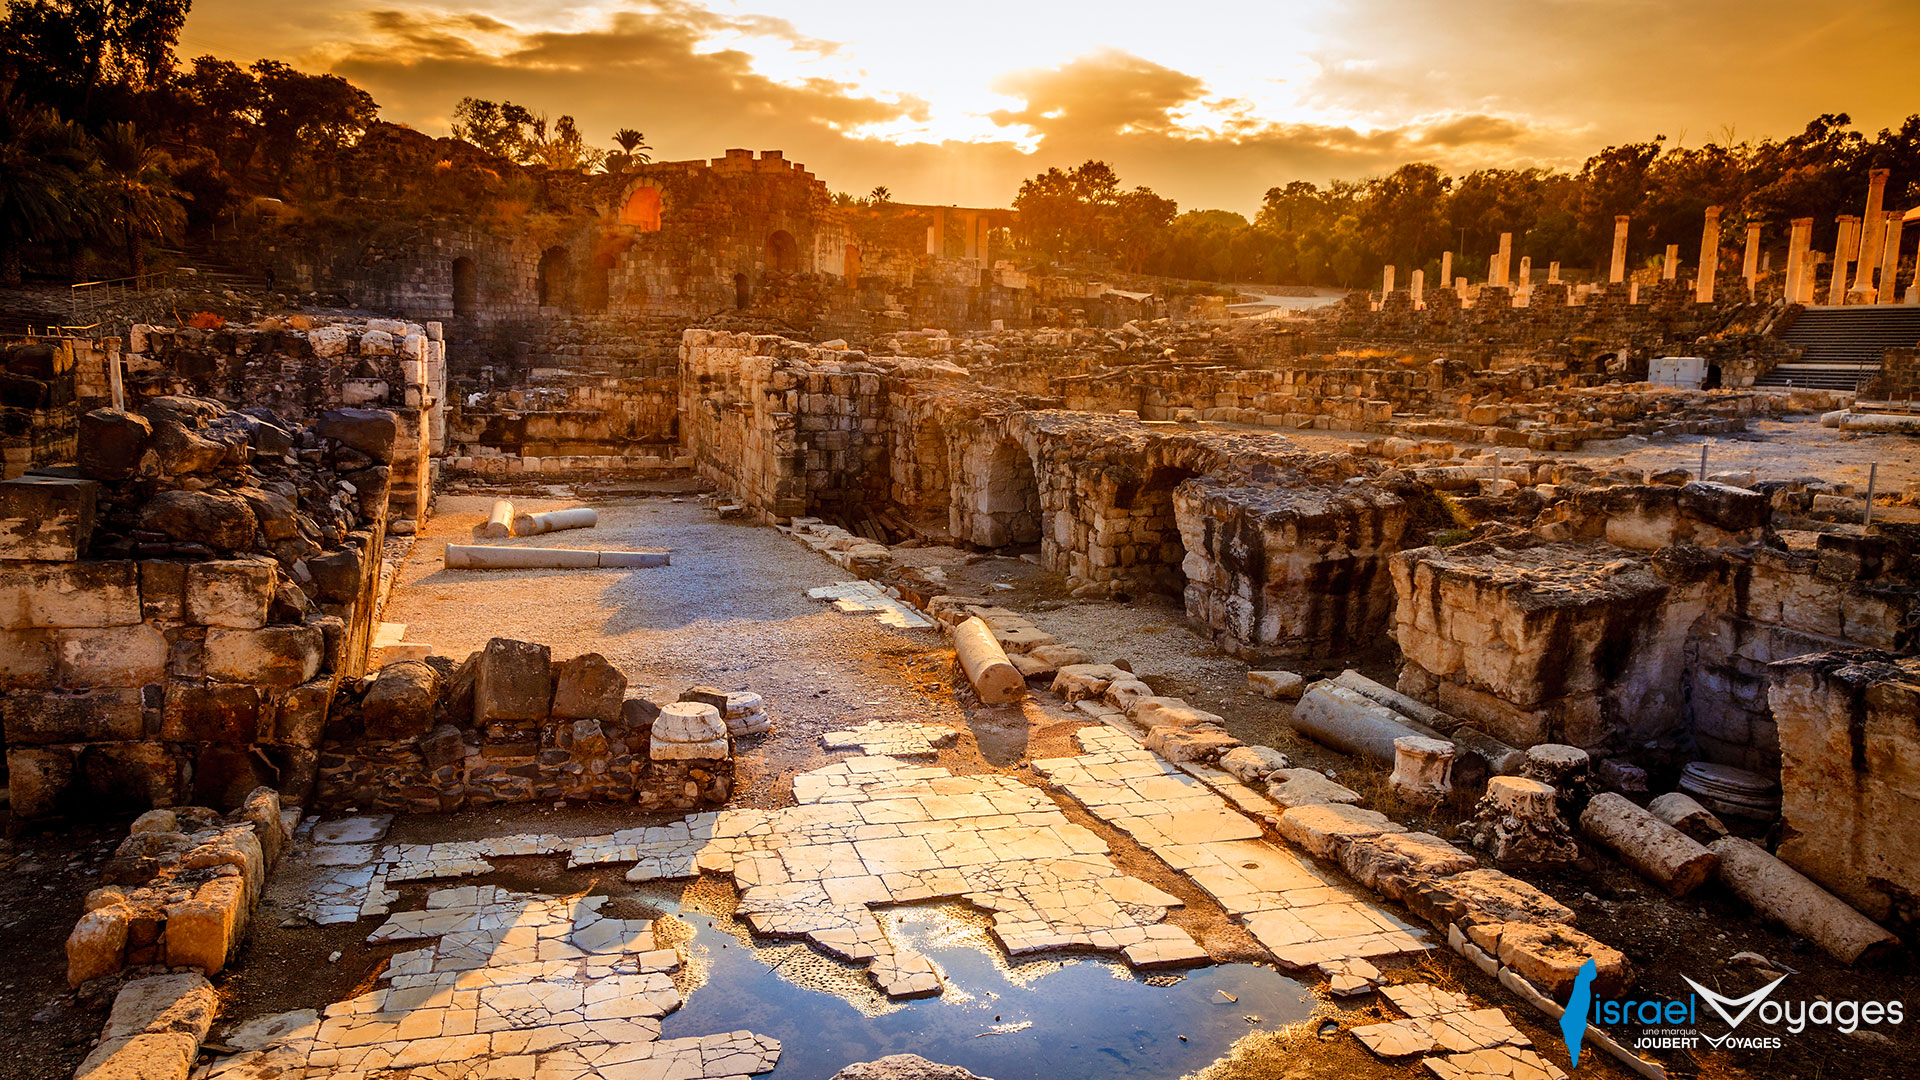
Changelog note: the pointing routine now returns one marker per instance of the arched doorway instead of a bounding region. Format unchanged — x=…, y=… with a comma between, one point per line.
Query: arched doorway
x=1007, y=504
x=783, y=254
x=1153, y=553
x=553, y=280
x=642, y=209
x=742, y=292
x=466, y=286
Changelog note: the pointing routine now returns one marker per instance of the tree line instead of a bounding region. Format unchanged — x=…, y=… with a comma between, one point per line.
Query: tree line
x=1343, y=233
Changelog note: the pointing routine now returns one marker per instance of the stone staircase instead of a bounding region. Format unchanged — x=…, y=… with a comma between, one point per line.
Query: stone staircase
x=1842, y=347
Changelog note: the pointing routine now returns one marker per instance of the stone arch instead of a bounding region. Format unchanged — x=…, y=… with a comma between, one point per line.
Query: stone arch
x=642, y=210
x=1149, y=551
x=850, y=264
x=1005, y=498
x=783, y=253
x=553, y=283
x=742, y=292
x=466, y=286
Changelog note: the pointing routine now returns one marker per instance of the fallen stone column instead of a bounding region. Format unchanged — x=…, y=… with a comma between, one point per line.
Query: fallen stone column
x=1656, y=850
x=1889, y=423
x=1398, y=702
x=993, y=676
x=1781, y=893
x=1683, y=812
x=1338, y=717
x=499, y=523
x=579, y=517
x=471, y=557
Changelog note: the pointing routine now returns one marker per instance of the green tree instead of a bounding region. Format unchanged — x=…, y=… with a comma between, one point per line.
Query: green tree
x=633, y=151
x=136, y=198
x=43, y=194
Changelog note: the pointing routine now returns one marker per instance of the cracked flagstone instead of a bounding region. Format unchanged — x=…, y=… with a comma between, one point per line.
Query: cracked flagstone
x=887, y=739
x=1303, y=918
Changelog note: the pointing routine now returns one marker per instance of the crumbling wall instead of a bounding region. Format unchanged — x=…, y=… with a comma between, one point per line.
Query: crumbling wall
x=1850, y=775
x=509, y=725
x=177, y=608
x=45, y=384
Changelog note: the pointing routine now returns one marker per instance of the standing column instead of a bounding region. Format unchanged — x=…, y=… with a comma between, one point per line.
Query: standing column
x=1619, y=272
x=1502, y=261
x=984, y=228
x=1799, y=280
x=1670, y=264
x=1418, y=280
x=1843, y=246
x=1868, y=248
x=1553, y=273
x=1750, y=266
x=1525, y=281
x=1446, y=268
x=1493, y=269
x=1460, y=286
x=1709, y=257
x=1386, y=281
x=1890, y=257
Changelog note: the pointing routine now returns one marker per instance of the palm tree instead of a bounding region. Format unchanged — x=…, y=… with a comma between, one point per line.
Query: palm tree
x=137, y=198
x=634, y=145
x=43, y=161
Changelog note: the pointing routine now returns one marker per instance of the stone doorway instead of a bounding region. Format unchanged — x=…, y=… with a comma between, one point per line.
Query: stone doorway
x=1150, y=552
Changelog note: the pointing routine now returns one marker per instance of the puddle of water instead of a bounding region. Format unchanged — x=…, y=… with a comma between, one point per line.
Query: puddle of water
x=1057, y=1018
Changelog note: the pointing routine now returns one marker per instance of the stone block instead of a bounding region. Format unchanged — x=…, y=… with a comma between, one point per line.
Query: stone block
x=130, y=776
x=279, y=656
x=210, y=712
x=167, y=1055
x=163, y=590
x=37, y=781
x=68, y=594
x=109, y=656
x=105, y=715
x=200, y=931
x=222, y=522
x=183, y=1003
x=1326, y=829
x=302, y=716
x=372, y=432
x=1278, y=685
x=512, y=681
x=233, y=593
x=46, y=518
x=1550, y=955
x=400, y=704
x=26, y=659
x=113, y=444
x=590, y=688
x=98, y=944
x=337, y=575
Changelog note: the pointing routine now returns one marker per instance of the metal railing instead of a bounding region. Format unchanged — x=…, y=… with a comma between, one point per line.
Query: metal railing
x=91, y=294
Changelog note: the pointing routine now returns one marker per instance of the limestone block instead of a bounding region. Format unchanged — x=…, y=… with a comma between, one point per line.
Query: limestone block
x=328, y=341
x=1122, y=693
x=1152, y=712
x=281, y=656
x=113, y=444
x=167, y=1055
x=183, y=1003
x=1550, y=955
x=163, y=590
x=98, y=944
x=1781, y=893
x=1278, y=685
x=302, y=716
x=1656, y=850
x=1253, y=764
x=103, y=715
x=373, y=432
x=109, y=656
x=26, y=660
x=1387, y=863
x=210, y=712
x=233, y=593
x=1059, y=656
x=589, y=688
x=1476, y=896
x=1197, y=743
x=1306, y=787
x=399, y=704
x=1325, y=829
x=68, y=594
x=37, y=780
x=200, y=930
x=1076, y=681
x=376, y=343
x=262, y=810
x=46, y=518
x=222, y=522
x=513, y=681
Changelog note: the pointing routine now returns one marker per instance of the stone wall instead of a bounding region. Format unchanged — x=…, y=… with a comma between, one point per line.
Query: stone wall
x=509, y=725
x=1850, y=775
x=45, y=384
x=177, y=608
x=1899, y=378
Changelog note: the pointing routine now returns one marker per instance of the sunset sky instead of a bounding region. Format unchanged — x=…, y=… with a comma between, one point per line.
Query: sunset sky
x=1207, y=101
